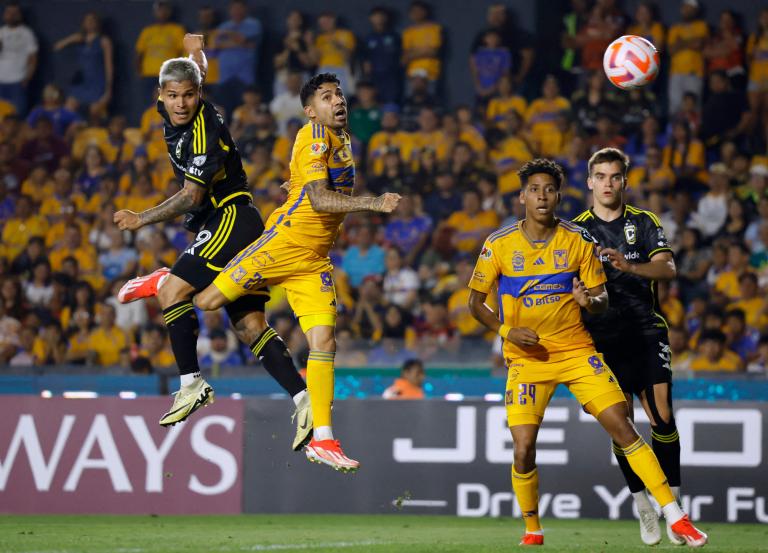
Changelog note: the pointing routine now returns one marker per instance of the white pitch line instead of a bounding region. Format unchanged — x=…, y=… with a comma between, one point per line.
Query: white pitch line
x=420, y=503
x=326, y=545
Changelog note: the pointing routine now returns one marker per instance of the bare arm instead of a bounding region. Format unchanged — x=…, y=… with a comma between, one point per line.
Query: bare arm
x=185, y=199
x=193, y=44
x=594, y=300
x=660, y=267
x=326, y=200
x=522, y=336
x=109, y=65
x=74, y=38
x=526, y=62
x=31, y=66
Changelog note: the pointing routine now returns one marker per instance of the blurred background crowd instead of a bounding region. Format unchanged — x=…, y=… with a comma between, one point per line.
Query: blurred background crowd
x=69, y=159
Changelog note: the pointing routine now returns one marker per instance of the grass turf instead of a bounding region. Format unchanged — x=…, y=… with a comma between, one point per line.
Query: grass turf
x=326, y=533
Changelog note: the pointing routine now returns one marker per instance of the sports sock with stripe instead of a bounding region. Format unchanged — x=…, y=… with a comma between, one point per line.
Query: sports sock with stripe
x=320, y=386
x=646, y=466
x=526, y=488
x=183, y=329
x=666, y=445
x=270, y=349
x=633, y=480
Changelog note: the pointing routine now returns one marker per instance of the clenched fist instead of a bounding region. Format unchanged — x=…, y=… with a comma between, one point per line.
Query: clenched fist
x=126, y=219
x=386, y=203
x=193, y=43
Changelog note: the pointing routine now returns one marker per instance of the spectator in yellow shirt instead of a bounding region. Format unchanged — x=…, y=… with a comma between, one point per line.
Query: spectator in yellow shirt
x=141, y=195
x=686, y=43
x=62, y=190
x=157, y=42
x=505, y=101
x=653, y=176
x=24, y=225
x=72, y=245
x=647, y=25
x=508, y=153
x=422, y=42
x=155, y=347
x=712, y=355
x=108, y=343
x=333, y=51
x=69, y=215
x=471, y=225
x=752, y=302
x=390, y=137
x=543, y=111
x=738, y=263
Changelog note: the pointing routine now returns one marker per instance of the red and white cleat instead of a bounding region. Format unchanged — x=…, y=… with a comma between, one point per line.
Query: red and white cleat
x=143, y=287
x=328, y=452
x=693, y=536
x=532, y=539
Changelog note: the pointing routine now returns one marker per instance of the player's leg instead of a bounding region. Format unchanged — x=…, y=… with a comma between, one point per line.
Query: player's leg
x=247, y=317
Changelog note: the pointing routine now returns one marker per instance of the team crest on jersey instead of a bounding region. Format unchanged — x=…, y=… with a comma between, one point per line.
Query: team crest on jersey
x=199, y=160
x=327, y=282
x=561, y=259
x=630, y=232
x=238, y=274
x=318, y=148
x=220, y=118
x=518, y=261
x=486, y=253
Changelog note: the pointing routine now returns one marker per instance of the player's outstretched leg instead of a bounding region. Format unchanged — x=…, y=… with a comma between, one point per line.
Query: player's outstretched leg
x=525, y=481
x=615, y=420
x=143, y=287
x=323, y=448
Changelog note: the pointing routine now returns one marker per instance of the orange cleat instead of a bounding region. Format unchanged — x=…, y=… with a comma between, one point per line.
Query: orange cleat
x=142, y=287
x=328, y=452
x=532, y=539
x=693, y=536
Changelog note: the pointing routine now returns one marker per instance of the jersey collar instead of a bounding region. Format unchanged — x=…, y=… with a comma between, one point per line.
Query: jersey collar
x=534, y=244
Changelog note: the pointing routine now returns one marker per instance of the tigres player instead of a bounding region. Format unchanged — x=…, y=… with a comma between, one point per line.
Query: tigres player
x=215, y=198
x=293, y=251
x=545, y=270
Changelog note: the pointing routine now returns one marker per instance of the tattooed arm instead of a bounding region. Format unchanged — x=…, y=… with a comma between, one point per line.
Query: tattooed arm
x=185, y=199
x=326, y=200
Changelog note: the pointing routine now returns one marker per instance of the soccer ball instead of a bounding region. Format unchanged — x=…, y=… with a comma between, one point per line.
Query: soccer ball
x=631, y=62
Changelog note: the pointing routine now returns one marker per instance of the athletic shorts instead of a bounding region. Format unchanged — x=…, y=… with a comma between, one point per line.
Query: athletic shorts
x=226, y=232
x=273, y=259
x=531, y=383
x=638, y=361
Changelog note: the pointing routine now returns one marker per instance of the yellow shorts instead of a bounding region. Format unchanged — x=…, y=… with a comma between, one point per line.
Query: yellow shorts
x=272, y=259
x=531, y=383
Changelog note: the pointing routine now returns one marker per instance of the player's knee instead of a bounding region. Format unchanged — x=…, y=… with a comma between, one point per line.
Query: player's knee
x=207, y=301
x=665, y=427
x=170, y=294
x=525, y=457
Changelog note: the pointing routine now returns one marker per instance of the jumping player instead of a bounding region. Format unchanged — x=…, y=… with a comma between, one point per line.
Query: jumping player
x=545, y=270
x=635, y=255
x=219, y=208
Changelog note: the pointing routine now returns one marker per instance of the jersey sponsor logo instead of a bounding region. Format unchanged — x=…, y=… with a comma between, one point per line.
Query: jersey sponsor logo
x=561, y=259
x=665, y=354
x=318, y=148
x=479, y=276
x=539, y=261
x=195, y=171
x=529, y=301
x=630, y=232
x=518, y=261
x=586, y=236
x=317, y=166
x=632, y=255
x=199, y=160
x=486, y=253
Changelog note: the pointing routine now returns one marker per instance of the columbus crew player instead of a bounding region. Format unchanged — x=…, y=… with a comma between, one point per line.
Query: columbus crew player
x=545, y=270
x=218, y=207
x=632, y=335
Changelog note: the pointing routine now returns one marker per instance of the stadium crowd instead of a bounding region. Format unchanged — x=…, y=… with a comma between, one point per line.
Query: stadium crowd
x=696, y=138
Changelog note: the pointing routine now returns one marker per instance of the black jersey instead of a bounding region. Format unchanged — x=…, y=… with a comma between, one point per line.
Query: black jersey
x=632, y=300
x=203, y=152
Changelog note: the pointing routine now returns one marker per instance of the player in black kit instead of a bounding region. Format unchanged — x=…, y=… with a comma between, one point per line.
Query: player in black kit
x=218, y=207
x=632, y=334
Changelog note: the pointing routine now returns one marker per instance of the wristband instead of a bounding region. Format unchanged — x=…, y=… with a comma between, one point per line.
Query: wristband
x=504, y=331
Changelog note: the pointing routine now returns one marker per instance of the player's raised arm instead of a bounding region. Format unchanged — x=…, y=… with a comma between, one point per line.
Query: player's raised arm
x=185, y=199
x=324, y=199
x=193, y=45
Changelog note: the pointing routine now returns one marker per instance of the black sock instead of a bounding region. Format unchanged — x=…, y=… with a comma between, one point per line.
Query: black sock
x=270, y=349
x=633, y=480
x=183, y=329
x=666, y=445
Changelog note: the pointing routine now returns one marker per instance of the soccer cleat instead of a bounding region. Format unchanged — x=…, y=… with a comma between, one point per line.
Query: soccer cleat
x=532, y=539
x=142, y=287
x=693, y=536
x=188, y=400
x=328, y=452
x=303, y=417
x=650, y=530
x=674, y=539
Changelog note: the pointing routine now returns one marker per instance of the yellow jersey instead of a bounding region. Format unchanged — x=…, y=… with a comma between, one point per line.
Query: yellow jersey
x=535, y=285
x=424, y=35
x=318, y=153
x=157, y=43
x=687, y=61
x=330, y=53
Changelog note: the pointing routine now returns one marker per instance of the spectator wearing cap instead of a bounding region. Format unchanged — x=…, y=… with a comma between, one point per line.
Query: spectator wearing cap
x=686, y=42
x=364, y=258
x=365, y=116
x=712, y=354
x=381, y=56
x=333, y=51
x=712, y=209
x=751, y=302
x=287, y=105
x=18, y=57
x=410, y=385
x=157, y=42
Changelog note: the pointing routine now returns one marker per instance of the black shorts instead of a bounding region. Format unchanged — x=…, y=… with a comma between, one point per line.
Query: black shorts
x=224, y=234
x=638, y=360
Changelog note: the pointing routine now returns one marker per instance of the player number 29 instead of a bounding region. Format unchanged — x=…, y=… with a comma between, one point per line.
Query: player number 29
x=526, y=392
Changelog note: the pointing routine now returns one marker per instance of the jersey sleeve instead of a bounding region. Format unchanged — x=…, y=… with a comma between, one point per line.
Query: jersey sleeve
x=311, y=155
x=652, y=235
x=207, y=151
x=591, y=270
x=487, y=269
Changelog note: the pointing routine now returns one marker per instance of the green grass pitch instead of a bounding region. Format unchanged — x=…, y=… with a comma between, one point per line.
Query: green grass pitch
x=337, y=533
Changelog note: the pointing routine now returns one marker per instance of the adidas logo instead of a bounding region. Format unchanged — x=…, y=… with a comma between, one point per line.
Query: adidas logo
x=539, y=261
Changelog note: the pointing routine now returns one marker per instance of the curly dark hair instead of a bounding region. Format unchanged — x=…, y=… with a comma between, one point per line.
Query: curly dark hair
x=311, y=86
x=541, y=165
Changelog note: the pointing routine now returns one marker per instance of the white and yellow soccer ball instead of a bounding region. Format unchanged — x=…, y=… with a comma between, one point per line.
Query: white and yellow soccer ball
x=631, y=62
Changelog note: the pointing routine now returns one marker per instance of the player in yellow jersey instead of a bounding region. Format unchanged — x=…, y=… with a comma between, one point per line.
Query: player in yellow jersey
x=545, y=270
x=293, y=251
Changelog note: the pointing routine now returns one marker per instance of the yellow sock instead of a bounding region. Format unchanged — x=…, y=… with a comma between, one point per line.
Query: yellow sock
x=320, y=386
x=645, y=464
x=526, y=488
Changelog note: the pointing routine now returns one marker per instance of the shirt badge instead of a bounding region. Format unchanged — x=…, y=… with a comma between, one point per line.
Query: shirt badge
x=318, y=148
x=518, y=261
x=630, y=232
x=561, y=259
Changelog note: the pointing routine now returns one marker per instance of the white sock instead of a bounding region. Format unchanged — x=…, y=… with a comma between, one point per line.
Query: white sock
x=672, y=512
x=322, y=433
x=676, y=492
x=189, y=379
x=642, y=501
x=162, y=280
x=298, y=397
x=535, y=532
